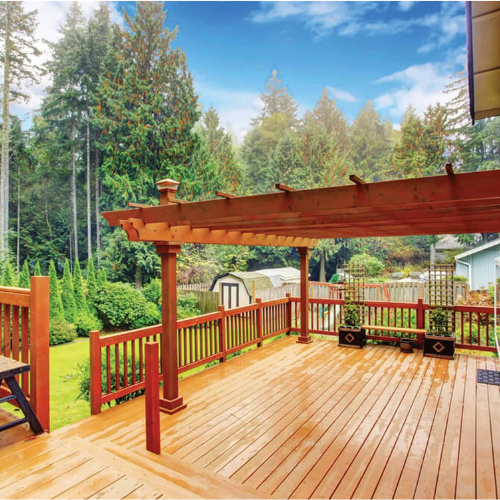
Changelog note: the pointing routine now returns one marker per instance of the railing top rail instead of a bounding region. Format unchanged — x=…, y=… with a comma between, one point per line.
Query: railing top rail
x=14, y=289
x=117, y=338
x=198, y=320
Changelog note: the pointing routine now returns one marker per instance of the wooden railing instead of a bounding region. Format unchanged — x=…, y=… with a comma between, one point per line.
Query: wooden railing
x=117, y=367
x=24, y=336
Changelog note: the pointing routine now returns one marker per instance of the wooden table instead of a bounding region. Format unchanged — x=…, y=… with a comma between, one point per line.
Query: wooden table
x=9, y=368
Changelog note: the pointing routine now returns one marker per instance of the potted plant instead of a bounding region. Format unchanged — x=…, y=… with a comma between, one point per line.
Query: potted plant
x=406, y=344
x=351, y=334
x=439, y=342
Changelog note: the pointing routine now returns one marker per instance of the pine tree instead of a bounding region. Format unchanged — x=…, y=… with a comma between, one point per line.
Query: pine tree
x=56, y=305
x=24, y=277
x=38, y=270
x=8, y=275
x=68, y=294
x=91, y=282
x=80, y=302
x=102, y=278
x=17, y=32
x=146, y=109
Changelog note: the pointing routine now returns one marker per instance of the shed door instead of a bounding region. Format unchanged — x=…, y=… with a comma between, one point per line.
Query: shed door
x=230, y=295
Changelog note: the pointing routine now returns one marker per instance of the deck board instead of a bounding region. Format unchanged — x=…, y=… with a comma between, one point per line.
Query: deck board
x=286, y=421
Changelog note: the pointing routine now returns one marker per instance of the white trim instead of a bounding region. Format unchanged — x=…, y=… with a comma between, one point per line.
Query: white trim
x=469, y=265
x=478, y=249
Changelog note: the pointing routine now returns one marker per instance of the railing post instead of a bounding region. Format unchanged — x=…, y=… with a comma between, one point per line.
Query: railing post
x=39, y=349
x=420, y=321
x=259, y=322
x=222, y=333
x=95, y=373
x=289, y=313
x=153, y=441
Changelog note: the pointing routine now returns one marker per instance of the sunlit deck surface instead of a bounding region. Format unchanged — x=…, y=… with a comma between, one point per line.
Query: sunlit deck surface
x=287, y=421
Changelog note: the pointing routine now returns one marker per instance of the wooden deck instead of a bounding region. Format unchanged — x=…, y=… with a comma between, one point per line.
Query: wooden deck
x=287, y=421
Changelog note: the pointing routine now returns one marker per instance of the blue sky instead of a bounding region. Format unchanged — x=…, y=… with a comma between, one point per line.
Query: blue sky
x=393, y=53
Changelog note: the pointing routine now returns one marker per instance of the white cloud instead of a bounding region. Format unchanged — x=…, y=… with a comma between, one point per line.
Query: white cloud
x=418, y=86
x=351, y=18
x=341, y=95
x=51, y=16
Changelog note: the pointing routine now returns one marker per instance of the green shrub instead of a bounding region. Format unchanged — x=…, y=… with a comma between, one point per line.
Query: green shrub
x=460, y=279
x=38, y=270
x=351, y=315
x=373, y=266
x=91, y=283
x=152, y=291
x=8, y=275
x=150, y=317
x=102, y=278
x=61, y=332
x=80, y=301
x=56, y=305
x=120, y=305
x=186, y=307
x=85, y=323
x=68, y=294
x=24, y=276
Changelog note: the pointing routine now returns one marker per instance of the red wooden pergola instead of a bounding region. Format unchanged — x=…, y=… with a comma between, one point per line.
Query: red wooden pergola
x=451, y=203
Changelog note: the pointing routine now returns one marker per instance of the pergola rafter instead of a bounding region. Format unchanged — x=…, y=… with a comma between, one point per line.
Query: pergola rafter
x=452, y=203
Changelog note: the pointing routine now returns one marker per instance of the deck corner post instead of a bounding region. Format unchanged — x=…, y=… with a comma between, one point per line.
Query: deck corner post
x=420, y=321
x=304, y=337
x=171, y=402
x=95, y=373
x=289, y=313
x=222, y=333
x=259, y=322
x=153, y=440
x=39, y=350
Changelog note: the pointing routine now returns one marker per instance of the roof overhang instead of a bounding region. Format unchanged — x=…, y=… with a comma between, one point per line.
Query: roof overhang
x=451, y=204
x=483, y=58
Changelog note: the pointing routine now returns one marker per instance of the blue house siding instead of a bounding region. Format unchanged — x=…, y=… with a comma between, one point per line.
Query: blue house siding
x=481, y=267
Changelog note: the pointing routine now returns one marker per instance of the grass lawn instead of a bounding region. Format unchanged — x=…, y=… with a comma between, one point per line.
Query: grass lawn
x=63, y=387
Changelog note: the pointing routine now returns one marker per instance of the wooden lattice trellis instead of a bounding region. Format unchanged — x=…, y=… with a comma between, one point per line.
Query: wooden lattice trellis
x=441, y=291
x=354, y=285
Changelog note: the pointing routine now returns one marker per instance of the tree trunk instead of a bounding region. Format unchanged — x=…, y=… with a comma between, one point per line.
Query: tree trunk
x=73, y=186
x=97, y=211
x=89, y=216
x=4, y=170
x=138, y=277
x=322, y=272
x=18, y=246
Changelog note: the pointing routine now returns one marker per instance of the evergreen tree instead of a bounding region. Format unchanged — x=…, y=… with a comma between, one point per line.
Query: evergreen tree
x=8, y=275
x=146, y=109
x=68, y=294
x=17, y=33
x=24, y=277
x=80, y=302
x=91, y=282
x=102, y=278
x=56, y=305
x=38, y=270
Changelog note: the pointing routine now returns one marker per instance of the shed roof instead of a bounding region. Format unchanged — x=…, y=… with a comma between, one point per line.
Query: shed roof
x=261, y=281
x=478, y=249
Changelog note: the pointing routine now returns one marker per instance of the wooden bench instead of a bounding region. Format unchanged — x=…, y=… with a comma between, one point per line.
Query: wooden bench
x=9, y=368
x=419, y=332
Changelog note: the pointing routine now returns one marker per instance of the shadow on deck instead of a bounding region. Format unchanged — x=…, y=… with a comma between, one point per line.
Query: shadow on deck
x=288, y=421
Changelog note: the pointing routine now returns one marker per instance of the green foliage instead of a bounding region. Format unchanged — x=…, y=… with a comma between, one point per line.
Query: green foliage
x=119, y=305
x=38, y=270
x=351, y=315
x=56, y=305
x=85, y=323
x=24, y=276
x=80, y=302
x=373, y=266
x=152, y=291
x=186, y=307
x=102, y=278
x=460, y=279
x=68, y=294
x=61, y=332
x=8, y=275
x=91, y=282
x=439, y=321
x=150, y=317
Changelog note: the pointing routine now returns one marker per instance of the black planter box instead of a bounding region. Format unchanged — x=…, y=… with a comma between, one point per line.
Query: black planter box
x=437, y=346
x=352, y=337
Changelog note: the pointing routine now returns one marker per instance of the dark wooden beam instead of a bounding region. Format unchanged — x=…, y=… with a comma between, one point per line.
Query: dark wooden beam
x=224, y=195
x=357, y=180
x=137, y=205
x=286, y=189
x=449, y=169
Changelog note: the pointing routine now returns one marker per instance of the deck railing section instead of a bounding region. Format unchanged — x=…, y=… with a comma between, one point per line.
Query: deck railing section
x=24, y=336
x=117, y=366
x=117, y=361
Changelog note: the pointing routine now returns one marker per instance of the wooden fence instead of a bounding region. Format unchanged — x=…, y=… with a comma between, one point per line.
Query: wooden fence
x=117, y=361
x=24, y=336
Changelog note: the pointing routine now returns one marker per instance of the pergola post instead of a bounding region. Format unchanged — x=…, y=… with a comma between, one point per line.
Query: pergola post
x=304, y=337
x=171, y=402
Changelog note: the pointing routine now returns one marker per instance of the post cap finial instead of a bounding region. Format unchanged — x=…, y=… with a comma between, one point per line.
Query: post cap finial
x=169, y=184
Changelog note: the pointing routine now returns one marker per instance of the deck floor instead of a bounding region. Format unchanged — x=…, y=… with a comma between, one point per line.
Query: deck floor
x=292, y=421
